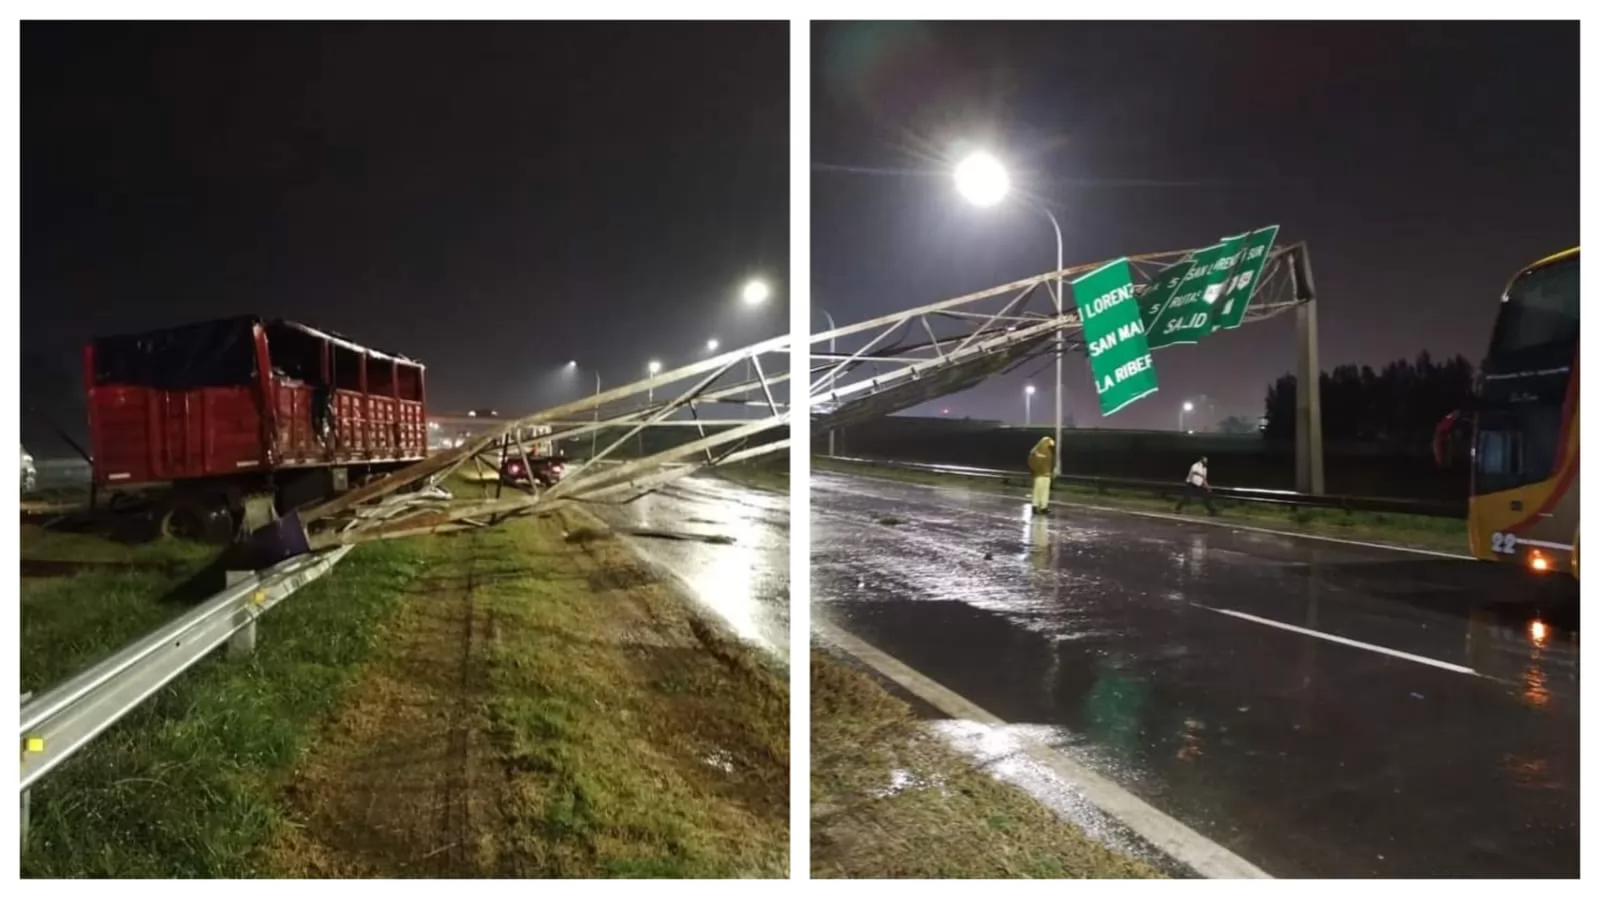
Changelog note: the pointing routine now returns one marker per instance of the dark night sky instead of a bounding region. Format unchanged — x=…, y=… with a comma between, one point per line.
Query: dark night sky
x=492, y=199
x=1423, y=164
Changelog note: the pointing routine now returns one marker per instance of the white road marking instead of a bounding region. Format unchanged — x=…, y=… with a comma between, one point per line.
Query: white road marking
x=1166, y=833
x=1334, y=638
x=1298, y=535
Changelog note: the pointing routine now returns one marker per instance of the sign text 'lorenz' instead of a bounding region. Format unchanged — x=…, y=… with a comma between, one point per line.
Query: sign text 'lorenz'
x=1113, y=333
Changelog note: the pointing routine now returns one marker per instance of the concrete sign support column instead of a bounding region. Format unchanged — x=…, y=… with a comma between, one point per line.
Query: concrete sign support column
x=1308, y=378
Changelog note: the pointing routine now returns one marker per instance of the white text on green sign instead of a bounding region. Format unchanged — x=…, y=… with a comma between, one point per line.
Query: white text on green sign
x=1113, y=331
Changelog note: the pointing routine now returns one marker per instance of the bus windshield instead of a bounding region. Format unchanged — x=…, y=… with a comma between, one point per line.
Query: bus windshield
x=1540, y=310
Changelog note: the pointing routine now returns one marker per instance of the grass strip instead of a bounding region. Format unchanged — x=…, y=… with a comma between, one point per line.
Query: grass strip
x=551, y=710
x=188, y=784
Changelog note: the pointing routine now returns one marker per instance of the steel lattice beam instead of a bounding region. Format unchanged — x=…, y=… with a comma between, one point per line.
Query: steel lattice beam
x=907, y=358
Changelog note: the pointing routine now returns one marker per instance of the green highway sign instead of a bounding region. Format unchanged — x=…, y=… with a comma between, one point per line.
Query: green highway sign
x=1113, y=333
x=1187, y=317
x=1229, y=311
x=1158, y=292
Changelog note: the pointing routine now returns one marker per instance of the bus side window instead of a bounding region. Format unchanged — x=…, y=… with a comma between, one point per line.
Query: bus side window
x=1500, y=452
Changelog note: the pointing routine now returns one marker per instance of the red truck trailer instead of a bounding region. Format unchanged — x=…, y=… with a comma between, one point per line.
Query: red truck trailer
x=222, y=424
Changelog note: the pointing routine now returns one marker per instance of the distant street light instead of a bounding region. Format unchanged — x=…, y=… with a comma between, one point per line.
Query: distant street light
x=594, y=435
x=756, y=292
x=983, y=181
x=655, y=369
x=650, y=396
x=711, y=345
x=1027, y=405
x=1187, y=408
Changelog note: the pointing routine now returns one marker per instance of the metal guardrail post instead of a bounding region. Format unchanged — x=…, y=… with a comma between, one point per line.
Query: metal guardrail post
x=68, y=716
x=25, y=793
x=243, y=641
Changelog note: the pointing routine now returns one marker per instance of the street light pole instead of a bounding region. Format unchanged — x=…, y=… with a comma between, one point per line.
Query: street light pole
x=650, y=399
x=755, y=293
x=1027, y=406
x=831, y=327
x=983, y=180
x=1182, y=410
x=1060, y=337
x=594, y=435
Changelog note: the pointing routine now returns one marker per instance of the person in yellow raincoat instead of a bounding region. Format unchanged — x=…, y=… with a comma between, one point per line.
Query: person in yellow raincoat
x=1042, y=464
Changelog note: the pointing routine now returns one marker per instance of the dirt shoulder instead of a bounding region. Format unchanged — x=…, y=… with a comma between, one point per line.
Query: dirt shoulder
x=545, y=707
x=890, y=799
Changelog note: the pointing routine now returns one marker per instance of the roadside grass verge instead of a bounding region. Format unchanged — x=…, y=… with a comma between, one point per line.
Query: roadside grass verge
x=187, y=784
x=621, y=733
x=85, y=596
x=889, y=799
x=1420, y=531
x=642, y=740
x=551, y=710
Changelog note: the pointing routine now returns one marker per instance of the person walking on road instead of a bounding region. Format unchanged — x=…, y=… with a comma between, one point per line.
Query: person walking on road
x=1197, y=486
x=1041, y=463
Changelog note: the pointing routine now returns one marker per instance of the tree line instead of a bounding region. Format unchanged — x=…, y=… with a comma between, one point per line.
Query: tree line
x=1397, y=406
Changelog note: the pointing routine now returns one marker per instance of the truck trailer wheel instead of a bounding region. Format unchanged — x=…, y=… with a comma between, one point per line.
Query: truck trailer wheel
x=195, y=518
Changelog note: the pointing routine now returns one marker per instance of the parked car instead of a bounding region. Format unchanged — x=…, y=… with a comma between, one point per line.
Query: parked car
x=547, y=470
x=30, y=472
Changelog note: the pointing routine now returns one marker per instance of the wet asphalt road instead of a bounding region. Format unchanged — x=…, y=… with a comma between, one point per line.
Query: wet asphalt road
x=1124, y=641
x=745, y=584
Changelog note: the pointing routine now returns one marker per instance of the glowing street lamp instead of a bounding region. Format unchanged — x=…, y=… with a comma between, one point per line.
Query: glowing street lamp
x=755, y=292
x=1187, y=408
x=1027, y=405
x=655, y=369
x=711, y=345
x=594, y=435
x=983, y=181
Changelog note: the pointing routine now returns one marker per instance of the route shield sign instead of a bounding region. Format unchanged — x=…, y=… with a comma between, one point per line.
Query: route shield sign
x=1187, y=317
x=1229, y=311
x=1158, y=292
x=1113, y=333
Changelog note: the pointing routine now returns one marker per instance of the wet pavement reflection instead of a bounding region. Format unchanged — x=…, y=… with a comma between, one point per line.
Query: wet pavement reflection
x=1322, y=710
x=744, y=583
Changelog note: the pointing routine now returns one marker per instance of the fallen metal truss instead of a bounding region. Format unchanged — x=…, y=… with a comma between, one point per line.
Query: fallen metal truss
x=890, y=363
x=411, y=501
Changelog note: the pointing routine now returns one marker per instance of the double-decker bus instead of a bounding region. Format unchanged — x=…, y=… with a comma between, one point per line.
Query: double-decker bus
x=1523, y=506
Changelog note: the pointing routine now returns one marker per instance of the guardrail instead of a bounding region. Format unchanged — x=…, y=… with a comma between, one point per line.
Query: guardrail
x=67, y=717
x=1256, y=495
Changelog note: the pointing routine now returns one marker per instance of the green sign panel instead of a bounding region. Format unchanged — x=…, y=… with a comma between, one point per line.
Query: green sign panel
x=1228, y=312
x=1158, y=292
x=1187, y=317
x=1119, y=357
